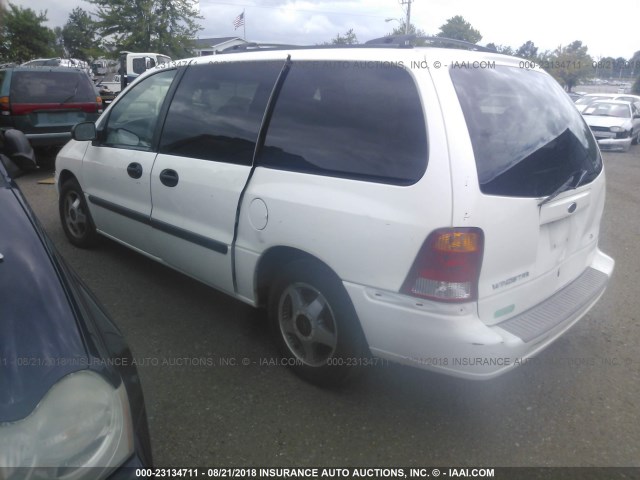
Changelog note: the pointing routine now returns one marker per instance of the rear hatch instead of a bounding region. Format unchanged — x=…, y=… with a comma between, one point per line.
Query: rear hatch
x=46, y=100
x=541, y=186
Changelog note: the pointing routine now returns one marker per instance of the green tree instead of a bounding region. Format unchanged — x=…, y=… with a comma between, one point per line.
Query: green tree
x=349, y=38
x=501, y=48
x=79, y=35
x=635, y=62
x=163, y=26
x=23, y=35
x=458, y=28
x=413, y=30
x=58, y=43
x=620, y=69
x=3, y=13
x=571, y=64
x=527, y=50
x=604, y=67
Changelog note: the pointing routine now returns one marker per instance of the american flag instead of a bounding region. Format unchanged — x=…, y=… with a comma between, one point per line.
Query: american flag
x=239, y=21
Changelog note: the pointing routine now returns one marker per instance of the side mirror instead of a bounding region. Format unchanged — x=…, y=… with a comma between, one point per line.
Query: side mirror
x=83, y=132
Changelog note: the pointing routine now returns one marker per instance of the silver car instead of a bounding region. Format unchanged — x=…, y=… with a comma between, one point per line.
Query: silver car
x=615, y=124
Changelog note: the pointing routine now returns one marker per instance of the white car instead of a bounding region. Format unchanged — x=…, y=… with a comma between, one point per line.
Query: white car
x=112, y=85
x=615, y=124
x=586, y=100
x=435, y=207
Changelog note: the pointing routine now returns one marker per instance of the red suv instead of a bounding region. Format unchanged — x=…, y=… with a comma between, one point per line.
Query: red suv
x=45, y=102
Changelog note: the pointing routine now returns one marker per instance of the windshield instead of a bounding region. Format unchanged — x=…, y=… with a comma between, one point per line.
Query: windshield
x=527, y=135
x=605, y=109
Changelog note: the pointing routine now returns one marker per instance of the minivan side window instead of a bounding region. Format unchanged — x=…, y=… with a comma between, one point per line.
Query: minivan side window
x=348, y=119
x=133, y=119
x=217, y=111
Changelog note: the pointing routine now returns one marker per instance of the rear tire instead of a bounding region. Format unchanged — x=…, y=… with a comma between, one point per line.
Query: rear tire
x=75, y=217
x=315, y=325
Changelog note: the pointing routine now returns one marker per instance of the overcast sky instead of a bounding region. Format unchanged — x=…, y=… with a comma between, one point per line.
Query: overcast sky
x=607, y=29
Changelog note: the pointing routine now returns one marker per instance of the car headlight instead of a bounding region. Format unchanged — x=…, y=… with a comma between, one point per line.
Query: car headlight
x=617, y=129
x=82, y=421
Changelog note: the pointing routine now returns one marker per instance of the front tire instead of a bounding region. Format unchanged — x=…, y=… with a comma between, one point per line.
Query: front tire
x=315, y=324
x=76, y=219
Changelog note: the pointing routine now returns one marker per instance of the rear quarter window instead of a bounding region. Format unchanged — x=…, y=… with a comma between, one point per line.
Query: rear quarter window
x=349, y=120
x=46, y=86
x=527, y=135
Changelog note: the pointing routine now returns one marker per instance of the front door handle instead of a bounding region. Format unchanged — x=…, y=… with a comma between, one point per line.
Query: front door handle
x=134, y=170
x=169, y=178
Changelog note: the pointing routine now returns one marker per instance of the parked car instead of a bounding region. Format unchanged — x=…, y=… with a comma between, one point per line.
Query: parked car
x=58, y=62
x=45, y=102
x=109, y=87
x=70, y=396
x=615, y=124
x=589, y=98
x=444, y=218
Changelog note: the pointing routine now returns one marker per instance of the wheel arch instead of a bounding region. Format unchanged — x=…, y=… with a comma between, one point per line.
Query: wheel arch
x=64, y=176
x=273, y=260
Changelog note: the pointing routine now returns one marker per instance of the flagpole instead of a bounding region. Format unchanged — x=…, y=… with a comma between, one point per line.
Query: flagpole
x=244, y=25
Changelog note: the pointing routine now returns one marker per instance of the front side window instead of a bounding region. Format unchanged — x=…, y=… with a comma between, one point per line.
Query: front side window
x=217, y=111
x=133, y=119
x=348, y=119
x=527, y=136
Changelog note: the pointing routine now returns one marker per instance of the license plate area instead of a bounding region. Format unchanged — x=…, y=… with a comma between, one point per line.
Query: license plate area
x=56, y=119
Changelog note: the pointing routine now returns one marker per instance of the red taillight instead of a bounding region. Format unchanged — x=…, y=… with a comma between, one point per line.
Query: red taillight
x=447, y=266
x=5, y=106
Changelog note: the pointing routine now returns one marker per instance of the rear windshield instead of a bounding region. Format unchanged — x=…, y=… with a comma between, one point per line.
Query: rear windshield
x=51, y=87
x=527, y=135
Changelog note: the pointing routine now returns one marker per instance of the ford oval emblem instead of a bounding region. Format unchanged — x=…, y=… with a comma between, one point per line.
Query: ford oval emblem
x=572, y=207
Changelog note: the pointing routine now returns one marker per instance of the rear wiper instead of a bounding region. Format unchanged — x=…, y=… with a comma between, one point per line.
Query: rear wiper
x=75, y=90
x=570, y=183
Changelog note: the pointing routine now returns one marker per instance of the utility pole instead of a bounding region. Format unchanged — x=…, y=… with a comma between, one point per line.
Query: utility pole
x=408, y=20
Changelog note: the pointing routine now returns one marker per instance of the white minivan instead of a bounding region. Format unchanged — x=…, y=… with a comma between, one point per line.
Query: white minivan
x=432, y=206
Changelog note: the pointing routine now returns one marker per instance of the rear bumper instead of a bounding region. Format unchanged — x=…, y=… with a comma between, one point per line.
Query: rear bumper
x=451, y=339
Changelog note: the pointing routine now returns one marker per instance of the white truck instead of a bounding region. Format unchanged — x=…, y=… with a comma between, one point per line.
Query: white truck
x=131, y=64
